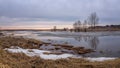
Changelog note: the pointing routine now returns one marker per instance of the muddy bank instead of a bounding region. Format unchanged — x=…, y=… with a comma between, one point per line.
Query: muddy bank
x=27, y=43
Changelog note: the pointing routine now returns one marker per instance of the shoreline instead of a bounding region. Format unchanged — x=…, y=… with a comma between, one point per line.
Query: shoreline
x=15, y=59
x=69, y=30
x=26, y=43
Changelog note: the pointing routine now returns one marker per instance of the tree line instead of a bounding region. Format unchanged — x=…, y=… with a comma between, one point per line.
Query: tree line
x=91, y=21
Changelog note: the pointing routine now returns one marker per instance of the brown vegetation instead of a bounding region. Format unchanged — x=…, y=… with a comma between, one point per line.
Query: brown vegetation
x=20, y=60
x=78, y=50
x=56, y=53
x=7, y=42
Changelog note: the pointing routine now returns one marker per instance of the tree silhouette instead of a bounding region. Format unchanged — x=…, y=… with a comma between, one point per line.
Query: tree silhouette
x=77, y=26
x=93, y=20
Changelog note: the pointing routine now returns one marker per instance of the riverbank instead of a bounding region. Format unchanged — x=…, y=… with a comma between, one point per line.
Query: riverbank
x=26, y=43
x=20, y=59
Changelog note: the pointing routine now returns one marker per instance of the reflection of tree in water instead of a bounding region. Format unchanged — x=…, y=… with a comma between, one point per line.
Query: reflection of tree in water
x=78, y=38
x=93, y=41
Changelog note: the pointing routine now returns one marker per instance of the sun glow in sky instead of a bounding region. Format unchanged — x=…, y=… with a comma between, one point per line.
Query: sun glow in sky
x=39, y=25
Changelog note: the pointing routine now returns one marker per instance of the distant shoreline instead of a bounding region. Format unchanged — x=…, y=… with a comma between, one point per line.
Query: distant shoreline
x=68, y=30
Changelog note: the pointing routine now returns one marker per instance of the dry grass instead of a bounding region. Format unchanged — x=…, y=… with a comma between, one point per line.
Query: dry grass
x=4, y=66
x=78, y=50
x=56, y=53
x=7, y=42
x=20, y=60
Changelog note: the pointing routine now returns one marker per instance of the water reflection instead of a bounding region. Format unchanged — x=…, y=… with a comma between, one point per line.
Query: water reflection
x=106, y=44
x=93, y=41
x=78, y=38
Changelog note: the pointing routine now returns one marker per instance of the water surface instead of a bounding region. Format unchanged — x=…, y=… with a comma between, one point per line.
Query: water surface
x=106, y=44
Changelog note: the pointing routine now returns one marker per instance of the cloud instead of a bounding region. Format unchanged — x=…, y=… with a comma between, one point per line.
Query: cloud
x=23, y=11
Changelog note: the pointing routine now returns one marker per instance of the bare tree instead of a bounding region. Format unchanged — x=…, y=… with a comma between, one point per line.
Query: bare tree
x=85, y=24
x=93, y=19
x=54, y=28
x=77, y=25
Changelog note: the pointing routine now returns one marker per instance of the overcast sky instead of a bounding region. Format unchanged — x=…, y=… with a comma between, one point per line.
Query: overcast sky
x=47, y=13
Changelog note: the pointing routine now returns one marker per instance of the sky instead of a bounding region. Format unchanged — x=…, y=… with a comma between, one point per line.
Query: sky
x=41, y=14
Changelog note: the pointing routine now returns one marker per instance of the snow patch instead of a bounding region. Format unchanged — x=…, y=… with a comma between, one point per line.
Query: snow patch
x=40, y=53
x=100, y=59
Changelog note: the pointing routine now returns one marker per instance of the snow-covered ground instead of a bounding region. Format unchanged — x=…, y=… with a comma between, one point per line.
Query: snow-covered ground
x=100, y=58
x=40, y=53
